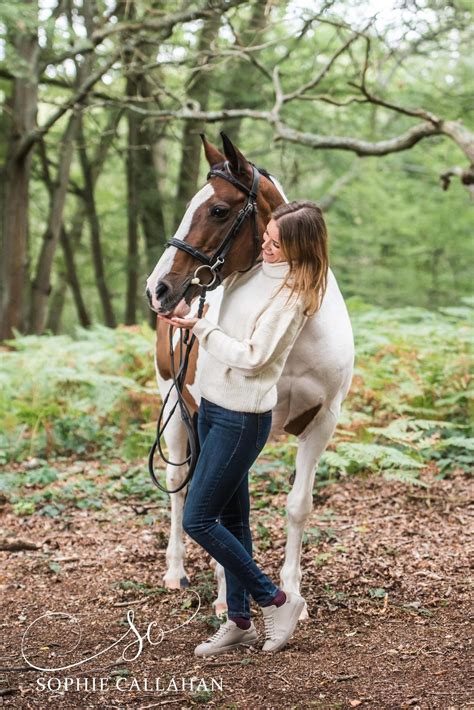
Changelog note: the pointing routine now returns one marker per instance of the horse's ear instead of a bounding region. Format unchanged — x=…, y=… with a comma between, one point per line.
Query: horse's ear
x=237, y=161
x=213, y=155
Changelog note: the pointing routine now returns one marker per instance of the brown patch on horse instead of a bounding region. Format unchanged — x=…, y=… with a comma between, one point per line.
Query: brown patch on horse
x=162, y=349
x=297, y=425
x=163, y=360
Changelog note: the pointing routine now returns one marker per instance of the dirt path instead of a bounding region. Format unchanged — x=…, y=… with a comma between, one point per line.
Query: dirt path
x=386, y=579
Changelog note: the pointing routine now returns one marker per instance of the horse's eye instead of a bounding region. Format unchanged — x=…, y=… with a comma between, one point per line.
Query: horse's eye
x=219, y=211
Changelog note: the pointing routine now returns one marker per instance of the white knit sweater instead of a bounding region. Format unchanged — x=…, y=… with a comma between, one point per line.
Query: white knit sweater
x=246, y=352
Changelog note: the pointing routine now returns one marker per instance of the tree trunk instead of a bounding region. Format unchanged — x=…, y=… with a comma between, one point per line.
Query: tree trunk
x=233, y=95
x=71, y=279
x=198, y=92
x=74, y=236
x=150, y=171
x=67, y=274
x=94, y=225
x=16, y=178
x=41, y=288
x=132, y=212
x=146, y=169
x=151, y=212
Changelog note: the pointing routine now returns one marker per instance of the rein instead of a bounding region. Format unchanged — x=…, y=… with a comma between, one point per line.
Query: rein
x=178, y=377
x=214, y=264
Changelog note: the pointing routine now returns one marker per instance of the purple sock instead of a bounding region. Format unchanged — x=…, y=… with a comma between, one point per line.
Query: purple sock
x=241, y=622
x=278, y=600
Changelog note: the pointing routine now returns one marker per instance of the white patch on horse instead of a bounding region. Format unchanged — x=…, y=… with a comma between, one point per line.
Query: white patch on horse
x=165, y=263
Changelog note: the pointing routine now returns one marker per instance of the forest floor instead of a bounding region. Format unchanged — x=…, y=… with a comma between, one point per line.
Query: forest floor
x=385, y=576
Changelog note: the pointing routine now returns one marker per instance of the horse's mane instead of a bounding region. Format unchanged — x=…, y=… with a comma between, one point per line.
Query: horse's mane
x=278, y=186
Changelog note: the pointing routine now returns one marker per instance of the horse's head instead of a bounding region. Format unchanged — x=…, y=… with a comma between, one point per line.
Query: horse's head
x=220, y=223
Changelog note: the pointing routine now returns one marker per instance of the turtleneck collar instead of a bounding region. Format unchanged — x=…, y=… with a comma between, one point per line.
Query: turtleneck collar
x=277, y=270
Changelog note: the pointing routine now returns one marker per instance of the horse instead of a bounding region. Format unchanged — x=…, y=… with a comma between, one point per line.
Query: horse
x=317, y=374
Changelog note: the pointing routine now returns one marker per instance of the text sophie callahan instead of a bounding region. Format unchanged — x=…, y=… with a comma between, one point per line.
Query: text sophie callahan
x=135, y=641
x=101, y=684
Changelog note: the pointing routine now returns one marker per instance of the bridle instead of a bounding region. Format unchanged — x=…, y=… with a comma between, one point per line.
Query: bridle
x=214, y=264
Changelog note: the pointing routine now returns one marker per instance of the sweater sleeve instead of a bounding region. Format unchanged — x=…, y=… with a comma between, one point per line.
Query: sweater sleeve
x=275, y=330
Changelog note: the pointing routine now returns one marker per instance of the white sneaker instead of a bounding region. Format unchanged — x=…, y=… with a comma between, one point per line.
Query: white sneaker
x=280, y=621
x=227, y=637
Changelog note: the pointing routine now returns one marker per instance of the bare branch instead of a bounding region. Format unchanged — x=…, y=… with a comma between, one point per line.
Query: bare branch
x=376, y=100
x=320, y=76
x=462, y=136
x=329, y=99
x=415, y=112
x=192, y=114
x=164, y=26
x=360, y=147
x=466, y=176
x=30, y=138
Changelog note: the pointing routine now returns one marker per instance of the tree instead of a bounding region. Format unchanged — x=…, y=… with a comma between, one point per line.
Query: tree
x=309, y=93
x=16, y=172
x=25, y=133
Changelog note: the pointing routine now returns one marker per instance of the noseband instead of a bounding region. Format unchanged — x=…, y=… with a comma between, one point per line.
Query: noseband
x=215, y=262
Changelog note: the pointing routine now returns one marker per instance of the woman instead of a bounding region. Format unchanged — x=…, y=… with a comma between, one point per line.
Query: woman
x=261, y=315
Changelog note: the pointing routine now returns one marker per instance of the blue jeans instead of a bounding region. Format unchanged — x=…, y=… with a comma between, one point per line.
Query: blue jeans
x=217, y=506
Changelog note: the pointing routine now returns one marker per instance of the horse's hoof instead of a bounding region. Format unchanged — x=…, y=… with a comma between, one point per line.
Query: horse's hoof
x=172, y=583
x=220, y=609
x=184, y=582
x=304, y=614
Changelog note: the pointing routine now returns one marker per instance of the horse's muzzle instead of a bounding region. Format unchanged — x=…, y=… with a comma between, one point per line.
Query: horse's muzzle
x=166, y=302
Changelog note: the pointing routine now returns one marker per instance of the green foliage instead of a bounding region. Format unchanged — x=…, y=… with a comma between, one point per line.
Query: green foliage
x=410, y=401
x=51, y=493
x=82, y=395
x=396, y=236
x=411, y=378
x=412, y=362
x=95, y=397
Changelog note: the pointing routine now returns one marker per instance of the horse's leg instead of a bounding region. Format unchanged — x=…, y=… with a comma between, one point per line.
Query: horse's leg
x=220, y=603
x=176, y=442
x=299, y=503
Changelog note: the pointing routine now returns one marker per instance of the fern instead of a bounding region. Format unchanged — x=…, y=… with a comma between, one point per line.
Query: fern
x=356, y=457
x=405, y=476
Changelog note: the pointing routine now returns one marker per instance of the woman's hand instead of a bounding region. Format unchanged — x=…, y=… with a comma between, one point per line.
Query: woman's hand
x=186, y=323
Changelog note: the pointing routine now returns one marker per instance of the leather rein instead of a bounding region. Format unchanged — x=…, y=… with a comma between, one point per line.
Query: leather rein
x=214, y=264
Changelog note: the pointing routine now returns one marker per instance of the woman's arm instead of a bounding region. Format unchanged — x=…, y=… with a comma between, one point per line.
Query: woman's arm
x=275, y=330
x=229, y=282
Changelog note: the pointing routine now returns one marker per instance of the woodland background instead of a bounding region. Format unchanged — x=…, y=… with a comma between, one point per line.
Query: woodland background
x=361, y=106
x=364, y=107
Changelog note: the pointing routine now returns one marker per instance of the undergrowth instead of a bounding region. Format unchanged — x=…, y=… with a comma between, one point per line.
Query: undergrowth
x=66, y=403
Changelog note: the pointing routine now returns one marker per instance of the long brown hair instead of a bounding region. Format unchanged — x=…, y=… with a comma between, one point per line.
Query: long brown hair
x=303, y=239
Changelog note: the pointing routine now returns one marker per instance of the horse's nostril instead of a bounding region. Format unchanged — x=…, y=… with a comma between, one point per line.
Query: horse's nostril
x=161, y=289
x=148, y=295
